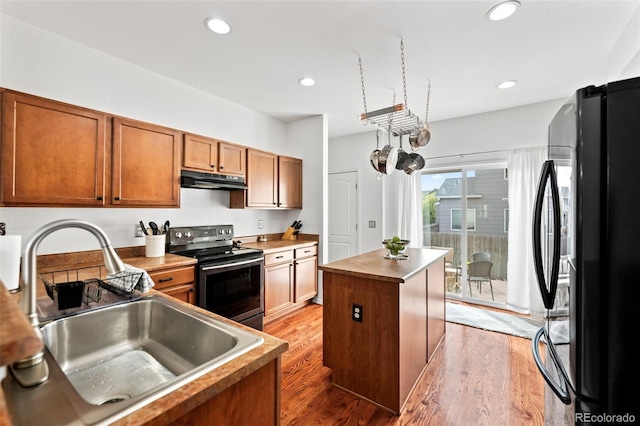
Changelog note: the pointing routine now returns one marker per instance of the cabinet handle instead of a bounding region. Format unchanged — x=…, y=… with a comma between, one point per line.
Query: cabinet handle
x=117, y=198
x=164, y=280
x=213, y=166
x=279, y=257
x=221, y=167
x=99, y=198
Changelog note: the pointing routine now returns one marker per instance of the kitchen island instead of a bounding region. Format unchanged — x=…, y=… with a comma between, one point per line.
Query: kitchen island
x=383, y=320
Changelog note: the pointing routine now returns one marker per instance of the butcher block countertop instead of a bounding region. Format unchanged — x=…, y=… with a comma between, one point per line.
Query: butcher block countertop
x=16, y=340
x=373, y=264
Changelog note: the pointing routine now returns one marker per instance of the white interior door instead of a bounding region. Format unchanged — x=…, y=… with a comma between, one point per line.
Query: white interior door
x=343, y=215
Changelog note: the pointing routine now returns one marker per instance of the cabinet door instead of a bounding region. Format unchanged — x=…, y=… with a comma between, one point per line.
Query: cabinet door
x=306, y=278
x=232, y=159
x=278, y=289
x=186, y=293
x=289, y=182
x=262, y=178
x=146, y=164
x=52, y=153
x=200, y=153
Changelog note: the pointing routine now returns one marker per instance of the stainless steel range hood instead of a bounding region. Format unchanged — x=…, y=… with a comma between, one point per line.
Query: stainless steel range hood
x=189, y=179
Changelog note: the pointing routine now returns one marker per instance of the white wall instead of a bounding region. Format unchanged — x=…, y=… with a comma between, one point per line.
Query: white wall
x=40, y=63
x=624, y=58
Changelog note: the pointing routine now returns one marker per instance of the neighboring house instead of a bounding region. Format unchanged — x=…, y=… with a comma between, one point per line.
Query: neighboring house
x=487, y=204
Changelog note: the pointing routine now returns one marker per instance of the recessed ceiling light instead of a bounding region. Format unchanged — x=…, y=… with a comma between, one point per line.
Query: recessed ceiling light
x=507, y=84
x=218, y=26
x=307, y=81
x=503, y=10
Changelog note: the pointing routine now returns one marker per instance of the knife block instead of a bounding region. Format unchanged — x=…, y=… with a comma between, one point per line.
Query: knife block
x=288, y=234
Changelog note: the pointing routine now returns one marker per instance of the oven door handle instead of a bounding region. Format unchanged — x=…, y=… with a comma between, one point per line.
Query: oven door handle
x=226, y=265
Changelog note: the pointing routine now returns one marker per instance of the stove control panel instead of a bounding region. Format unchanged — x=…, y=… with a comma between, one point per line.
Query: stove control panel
x=200, y=234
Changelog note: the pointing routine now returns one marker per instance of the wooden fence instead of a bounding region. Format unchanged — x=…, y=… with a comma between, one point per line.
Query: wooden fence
x=497, y=246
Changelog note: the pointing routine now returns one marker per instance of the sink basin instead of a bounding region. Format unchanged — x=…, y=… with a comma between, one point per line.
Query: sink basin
x=122, y=357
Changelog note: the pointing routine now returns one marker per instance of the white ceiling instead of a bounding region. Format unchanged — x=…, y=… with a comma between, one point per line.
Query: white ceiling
x=551, y=47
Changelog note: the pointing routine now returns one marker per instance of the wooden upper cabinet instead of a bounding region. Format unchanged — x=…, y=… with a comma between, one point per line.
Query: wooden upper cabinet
x=262, y=179
x=52, y=153
x=146, y=164
x=231, y=159
x=200, y=153
x=289, y=182
x=213, y=156
x=273, y=182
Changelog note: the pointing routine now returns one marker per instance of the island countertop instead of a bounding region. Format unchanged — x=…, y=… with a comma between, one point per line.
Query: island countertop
x=374, y=265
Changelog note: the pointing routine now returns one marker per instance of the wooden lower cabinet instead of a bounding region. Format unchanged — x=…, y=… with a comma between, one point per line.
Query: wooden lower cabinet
x=255, y=400
x=306, y=273
x=278, y=283
x=290, y=280
x=176, y=282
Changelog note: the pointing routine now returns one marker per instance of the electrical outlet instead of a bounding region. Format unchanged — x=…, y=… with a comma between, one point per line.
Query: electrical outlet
x=356, y=312
x=260, y=224
x=138, y=231
x=372, y=224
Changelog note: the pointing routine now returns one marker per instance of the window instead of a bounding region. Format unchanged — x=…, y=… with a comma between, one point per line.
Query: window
x=456, y=219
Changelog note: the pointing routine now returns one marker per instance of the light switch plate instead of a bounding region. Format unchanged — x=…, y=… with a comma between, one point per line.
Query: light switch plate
x=372, y=224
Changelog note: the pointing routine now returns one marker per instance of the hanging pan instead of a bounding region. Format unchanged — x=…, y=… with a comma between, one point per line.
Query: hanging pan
x=421, y=137
x=403, y=157
x=388, y=157
x=416, y=162
x=375, y=155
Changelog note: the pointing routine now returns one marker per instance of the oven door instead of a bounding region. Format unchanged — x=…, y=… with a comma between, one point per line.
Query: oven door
x=233, y=290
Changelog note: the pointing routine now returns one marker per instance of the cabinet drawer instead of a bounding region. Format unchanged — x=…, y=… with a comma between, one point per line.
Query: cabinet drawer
x=173, y=277
x=306, y=252
x=281, y=256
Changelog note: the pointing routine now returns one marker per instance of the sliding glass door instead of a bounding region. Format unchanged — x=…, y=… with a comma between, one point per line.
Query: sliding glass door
x=467, y=212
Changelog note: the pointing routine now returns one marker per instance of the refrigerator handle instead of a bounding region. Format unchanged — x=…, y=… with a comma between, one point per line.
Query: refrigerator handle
x=548, y=174
x=560, y=389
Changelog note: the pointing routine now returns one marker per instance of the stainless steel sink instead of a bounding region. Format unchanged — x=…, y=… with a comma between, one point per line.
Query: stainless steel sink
x=122, y=357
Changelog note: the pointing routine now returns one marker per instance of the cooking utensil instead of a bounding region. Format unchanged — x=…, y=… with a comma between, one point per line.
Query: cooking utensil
x=154, y=228
x=165, y=227
x=403, y=157
x=144, y=228
x=375, y=155
x=424, y=135
x=388, y=157
x=416, y=162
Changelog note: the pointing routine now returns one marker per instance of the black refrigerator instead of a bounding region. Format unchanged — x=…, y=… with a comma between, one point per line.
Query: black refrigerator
x=586, y=238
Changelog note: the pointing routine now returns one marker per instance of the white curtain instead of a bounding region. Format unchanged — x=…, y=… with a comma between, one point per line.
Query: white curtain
x=524, y=167
x=402, y=207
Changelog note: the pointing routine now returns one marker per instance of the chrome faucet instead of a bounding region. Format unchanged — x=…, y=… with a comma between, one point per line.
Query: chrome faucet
x=33, y=370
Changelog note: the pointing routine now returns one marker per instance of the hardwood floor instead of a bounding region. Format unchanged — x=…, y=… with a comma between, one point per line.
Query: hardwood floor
x=476, y=377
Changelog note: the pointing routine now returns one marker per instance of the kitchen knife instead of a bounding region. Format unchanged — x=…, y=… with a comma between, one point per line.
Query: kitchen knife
x=144, y=228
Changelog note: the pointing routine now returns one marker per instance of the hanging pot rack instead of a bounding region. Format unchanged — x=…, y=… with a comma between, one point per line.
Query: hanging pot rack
x=396, y=119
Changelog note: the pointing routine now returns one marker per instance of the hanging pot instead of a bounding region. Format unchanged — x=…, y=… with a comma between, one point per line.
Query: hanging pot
x=419, y=139
x=403, y=157
x=388, y=158
x=375, y=155
x=416, y=162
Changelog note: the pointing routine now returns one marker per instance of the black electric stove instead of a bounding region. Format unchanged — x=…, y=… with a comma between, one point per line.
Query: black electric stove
x=229, y=278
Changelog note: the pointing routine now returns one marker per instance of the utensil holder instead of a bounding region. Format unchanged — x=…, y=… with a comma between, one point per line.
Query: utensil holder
x=154, y=245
